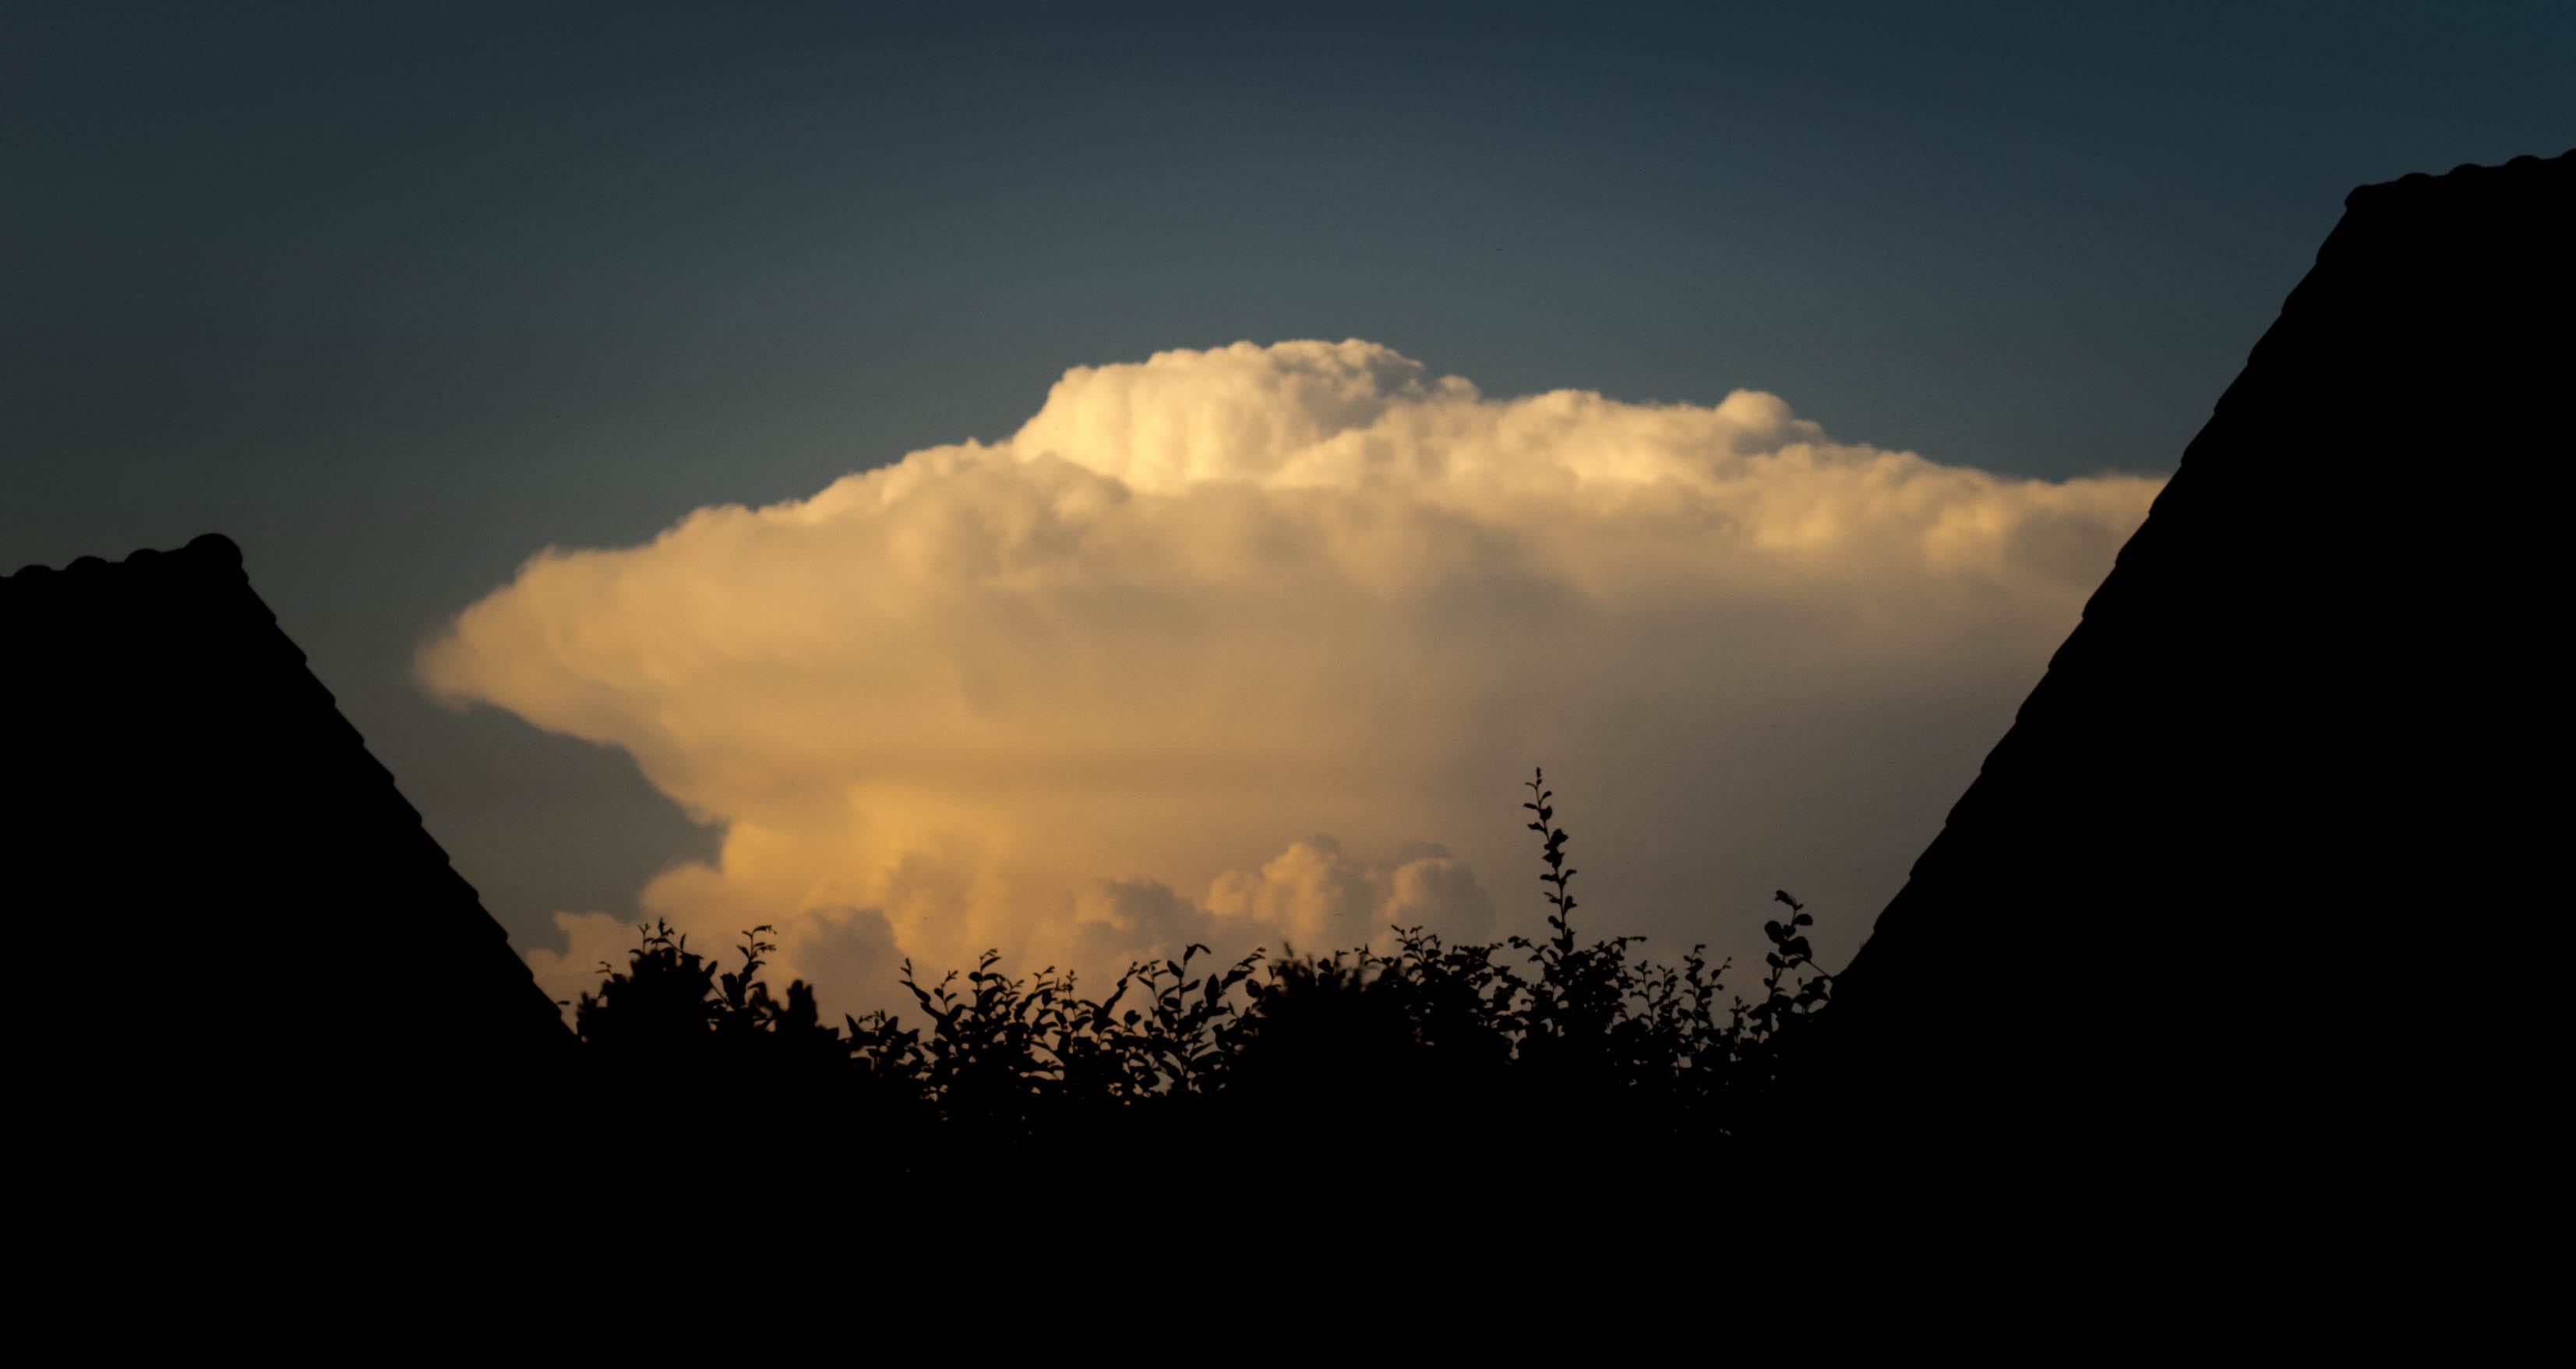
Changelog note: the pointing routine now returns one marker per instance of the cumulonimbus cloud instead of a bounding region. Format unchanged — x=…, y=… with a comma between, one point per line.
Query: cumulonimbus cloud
x=1092, y=692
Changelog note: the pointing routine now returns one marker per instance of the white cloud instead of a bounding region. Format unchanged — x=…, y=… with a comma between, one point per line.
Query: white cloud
x=1084, y=693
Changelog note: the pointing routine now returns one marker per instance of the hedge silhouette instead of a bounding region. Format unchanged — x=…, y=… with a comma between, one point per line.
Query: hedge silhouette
x=1310, y=1067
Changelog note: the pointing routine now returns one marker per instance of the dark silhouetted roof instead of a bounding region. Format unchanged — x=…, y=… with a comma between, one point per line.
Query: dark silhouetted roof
x=211, y=852
x=2250, y=882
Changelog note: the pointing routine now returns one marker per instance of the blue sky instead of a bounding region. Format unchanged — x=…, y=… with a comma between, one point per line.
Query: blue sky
x=397, y=298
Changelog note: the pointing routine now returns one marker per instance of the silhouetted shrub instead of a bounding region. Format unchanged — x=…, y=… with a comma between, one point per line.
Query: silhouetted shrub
x=1338, y=1065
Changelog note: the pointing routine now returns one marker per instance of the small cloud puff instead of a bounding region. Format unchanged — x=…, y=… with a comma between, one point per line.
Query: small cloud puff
x=1021, y=695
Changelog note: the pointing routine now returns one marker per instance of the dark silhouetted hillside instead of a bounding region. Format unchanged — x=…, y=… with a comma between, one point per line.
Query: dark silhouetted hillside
x=2303, y=752
x=281, y=959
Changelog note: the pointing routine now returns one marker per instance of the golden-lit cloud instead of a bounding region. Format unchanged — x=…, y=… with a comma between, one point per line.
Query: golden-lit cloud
x=1093, y=691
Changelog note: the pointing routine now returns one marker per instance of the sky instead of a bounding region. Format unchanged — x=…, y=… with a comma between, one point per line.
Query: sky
x=1078, y=477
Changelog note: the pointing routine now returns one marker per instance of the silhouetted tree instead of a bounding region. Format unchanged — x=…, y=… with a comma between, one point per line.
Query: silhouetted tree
x=1335, y=1066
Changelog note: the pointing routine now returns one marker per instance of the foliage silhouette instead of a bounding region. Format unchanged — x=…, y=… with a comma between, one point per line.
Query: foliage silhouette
x=1325, y=1066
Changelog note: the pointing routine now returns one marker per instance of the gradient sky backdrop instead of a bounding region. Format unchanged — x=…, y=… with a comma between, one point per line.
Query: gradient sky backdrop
x=397, y=297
